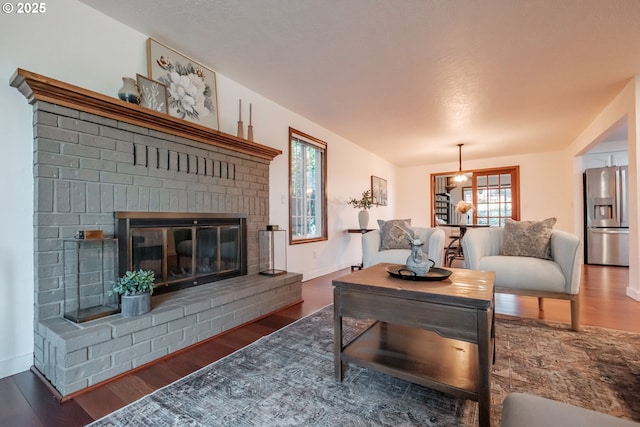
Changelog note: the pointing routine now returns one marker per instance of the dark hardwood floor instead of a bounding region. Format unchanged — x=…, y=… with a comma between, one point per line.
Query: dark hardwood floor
x=25, y=401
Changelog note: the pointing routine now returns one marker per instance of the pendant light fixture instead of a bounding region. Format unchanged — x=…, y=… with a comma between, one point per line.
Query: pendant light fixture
x=460, y=177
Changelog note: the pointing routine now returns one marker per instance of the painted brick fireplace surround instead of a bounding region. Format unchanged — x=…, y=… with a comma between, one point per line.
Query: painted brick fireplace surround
x=94, y=156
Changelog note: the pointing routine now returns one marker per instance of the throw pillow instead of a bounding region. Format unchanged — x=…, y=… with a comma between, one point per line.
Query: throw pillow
x=392, y=237
x=528, y=238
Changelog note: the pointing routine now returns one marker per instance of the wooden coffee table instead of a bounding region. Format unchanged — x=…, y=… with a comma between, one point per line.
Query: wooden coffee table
x=437, y=334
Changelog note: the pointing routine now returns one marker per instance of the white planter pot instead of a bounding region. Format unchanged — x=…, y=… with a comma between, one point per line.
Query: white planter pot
x=363, y=219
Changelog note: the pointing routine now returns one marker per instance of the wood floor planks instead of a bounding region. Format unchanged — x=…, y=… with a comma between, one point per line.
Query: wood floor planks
x=14, y=408
x=25, y=401
x=46, y=410
x=99, y=402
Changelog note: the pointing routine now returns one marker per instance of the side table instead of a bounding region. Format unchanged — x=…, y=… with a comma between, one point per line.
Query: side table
x=453, y=250
x=358, y=231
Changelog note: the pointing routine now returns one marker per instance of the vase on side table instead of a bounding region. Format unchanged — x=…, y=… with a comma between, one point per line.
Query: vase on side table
x=363, y=219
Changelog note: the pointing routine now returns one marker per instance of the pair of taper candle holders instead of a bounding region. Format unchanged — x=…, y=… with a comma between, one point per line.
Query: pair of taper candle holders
x=241, y=125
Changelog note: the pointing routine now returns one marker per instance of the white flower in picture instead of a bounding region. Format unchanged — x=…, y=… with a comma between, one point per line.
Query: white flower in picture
x=188, y=93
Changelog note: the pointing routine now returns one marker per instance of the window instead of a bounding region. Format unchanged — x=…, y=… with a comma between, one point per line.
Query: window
x=494, y=196
x=307, y=188
x=467, y=194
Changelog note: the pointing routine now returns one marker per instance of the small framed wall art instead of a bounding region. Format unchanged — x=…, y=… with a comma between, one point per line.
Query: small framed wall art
x=153, y=94
x=191, y=87
x=379, y=190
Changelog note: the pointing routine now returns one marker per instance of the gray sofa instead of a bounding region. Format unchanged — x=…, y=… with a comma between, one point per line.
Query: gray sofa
x=525, y=410
x=558, y=277
x=433, y=239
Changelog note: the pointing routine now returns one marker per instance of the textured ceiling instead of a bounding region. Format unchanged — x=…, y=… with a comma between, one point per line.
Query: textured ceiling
x=409, y=79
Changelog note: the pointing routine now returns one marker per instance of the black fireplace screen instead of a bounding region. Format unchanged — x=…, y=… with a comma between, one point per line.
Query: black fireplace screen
x=183, y=249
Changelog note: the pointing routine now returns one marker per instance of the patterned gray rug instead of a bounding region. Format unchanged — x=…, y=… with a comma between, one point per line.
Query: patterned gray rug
x=287, y=379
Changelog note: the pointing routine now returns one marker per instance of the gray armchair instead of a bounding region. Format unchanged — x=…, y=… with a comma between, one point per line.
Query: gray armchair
x=521, y=409
x=433, y=239
x=558, y=277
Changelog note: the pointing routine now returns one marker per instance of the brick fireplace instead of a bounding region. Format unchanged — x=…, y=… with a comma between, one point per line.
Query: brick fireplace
x=95, y=156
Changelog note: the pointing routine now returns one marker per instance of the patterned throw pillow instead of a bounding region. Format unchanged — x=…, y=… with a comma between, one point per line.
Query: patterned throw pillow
x=392, y=237
x=528, y=238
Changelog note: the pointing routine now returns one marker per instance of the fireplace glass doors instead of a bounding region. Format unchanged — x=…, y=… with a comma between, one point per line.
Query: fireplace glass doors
x=184, y=251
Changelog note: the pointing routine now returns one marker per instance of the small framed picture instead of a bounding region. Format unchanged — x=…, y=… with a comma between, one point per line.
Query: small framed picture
x=379, y=190
x=153, y=94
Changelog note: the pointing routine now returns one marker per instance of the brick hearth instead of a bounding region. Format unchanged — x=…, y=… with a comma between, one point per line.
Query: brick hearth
x=89, y=353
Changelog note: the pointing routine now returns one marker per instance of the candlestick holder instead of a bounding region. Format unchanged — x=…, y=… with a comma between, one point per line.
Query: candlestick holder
x=250, y=132
x=240, y=129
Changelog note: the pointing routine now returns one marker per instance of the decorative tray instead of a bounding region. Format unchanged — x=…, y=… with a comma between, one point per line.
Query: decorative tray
x=434, y=274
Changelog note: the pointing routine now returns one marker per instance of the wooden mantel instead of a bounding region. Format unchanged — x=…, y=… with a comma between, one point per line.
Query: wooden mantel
x=36, y=87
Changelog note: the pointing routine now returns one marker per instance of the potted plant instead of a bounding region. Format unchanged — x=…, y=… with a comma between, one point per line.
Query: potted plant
x=135, y=289
x=364, y=204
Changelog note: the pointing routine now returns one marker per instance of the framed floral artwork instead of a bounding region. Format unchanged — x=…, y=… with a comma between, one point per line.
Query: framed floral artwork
x=379, y=190
x=191, y=87
x=153, y=94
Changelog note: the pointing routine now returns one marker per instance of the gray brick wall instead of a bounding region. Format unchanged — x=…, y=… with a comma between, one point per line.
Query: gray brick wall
x=87, y=167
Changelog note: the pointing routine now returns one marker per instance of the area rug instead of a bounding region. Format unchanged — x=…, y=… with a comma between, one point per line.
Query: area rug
x=287, y=379
x=595, y=368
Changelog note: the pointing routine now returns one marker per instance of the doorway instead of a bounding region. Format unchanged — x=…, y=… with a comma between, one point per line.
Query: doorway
x=495, y=193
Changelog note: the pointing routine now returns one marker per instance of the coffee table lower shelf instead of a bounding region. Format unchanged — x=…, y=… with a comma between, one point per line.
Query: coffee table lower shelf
x=418, y=356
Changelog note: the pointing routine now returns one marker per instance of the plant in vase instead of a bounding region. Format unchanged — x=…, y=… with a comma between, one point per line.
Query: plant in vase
x=463, y=208
x=135, y=289
x=364, y=203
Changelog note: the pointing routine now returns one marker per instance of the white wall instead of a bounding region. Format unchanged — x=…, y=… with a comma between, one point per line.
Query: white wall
x=545, y=187
x=349, y=173
x=625, y=106
x=74, y=43
x=615, y=153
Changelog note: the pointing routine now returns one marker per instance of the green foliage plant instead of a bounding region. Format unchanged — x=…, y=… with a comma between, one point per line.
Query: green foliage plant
x=134, y=282
x=365, y=202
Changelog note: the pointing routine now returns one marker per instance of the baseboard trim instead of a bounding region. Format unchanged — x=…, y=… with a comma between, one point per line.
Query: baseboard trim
x=15, y=365
x=327, y=270
x=633, y=293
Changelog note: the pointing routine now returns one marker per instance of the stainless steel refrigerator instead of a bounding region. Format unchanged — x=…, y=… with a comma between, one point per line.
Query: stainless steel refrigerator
x=606, y=216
